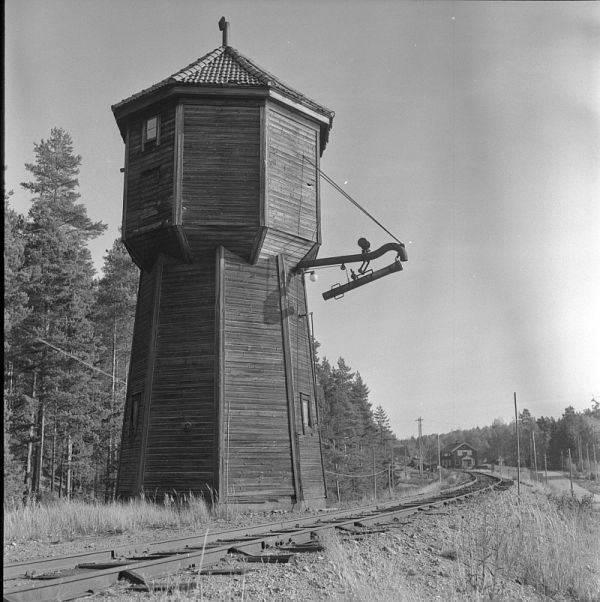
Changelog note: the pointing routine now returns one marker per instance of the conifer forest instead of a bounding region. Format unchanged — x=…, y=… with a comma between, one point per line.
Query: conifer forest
x=67, y=337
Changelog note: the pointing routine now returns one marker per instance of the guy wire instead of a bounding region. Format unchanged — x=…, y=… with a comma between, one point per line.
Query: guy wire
x=347, y=196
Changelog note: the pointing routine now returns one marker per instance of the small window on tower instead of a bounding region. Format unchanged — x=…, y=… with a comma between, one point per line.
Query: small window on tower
x=134, y=413
x=151, y=132
x=307, y=421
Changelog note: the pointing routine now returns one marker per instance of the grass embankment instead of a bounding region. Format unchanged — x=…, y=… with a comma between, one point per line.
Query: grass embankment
x=550, y=544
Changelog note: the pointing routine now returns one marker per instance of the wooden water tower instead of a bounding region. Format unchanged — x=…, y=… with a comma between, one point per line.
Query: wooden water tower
x=221, y=202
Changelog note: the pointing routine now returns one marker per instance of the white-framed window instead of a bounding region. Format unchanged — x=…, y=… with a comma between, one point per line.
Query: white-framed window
x=151, y=131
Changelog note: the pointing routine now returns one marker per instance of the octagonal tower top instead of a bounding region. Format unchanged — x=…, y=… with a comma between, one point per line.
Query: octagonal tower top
x=226, y=72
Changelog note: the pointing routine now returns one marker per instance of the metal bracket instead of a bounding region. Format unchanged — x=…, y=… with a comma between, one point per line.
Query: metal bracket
x=365, y=275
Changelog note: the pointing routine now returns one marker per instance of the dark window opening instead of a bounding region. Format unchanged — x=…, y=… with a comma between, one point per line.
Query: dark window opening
x=134, y=413
x=307, y=419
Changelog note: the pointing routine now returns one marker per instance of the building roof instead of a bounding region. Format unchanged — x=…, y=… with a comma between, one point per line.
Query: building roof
x=225, y=67
x=456, y=445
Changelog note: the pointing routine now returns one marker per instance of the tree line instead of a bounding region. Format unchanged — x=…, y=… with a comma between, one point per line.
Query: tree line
x=544, y=442
x=67, y=338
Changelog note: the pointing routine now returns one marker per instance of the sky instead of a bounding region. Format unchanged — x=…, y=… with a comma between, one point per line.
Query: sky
x=470, y=130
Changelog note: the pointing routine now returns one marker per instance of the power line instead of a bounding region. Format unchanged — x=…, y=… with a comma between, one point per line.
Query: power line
x=71, y=356
x=356, y=476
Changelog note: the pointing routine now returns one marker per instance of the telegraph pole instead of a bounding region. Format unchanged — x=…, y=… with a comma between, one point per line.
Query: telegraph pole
x=391, y=467
x=439, y=459
x=570, y=471
x=534, y=455
x=374, y=475
x=420, y=421
x=587, y=453
x=518, y=448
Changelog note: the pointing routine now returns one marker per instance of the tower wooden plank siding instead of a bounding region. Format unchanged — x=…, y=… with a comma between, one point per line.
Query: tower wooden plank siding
x=221, y=201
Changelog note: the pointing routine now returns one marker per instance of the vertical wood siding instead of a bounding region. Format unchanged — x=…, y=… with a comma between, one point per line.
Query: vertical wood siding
x=181, y=442
x=221, y=181
x=221, y=397
x=291, y=174
x=131, y=438
x=309, y=448
x=149, y=173
x=256, y=438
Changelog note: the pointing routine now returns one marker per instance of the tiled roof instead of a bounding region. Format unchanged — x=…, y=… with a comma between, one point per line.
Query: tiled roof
x=453, y=446
x=226, y=67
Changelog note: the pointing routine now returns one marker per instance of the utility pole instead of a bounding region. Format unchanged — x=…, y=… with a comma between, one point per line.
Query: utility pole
x=374, y=475
x=587, y=453
x=518, y=448
x=546, y=467
x=391, y=467
x=571, y=471
x=420, y=421
x=439, y=459
x=534, y=455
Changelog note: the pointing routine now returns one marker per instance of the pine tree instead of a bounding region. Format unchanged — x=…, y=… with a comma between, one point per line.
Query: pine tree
x=382, y=423
x=348, y=431
x=15, y=275
x=15, y=311
x=114, y=314
x=58, y=339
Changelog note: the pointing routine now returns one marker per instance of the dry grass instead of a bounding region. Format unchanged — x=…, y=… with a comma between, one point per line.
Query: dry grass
x=551, y=544
x=362, y=572
x=65, y=520
x=495, y=544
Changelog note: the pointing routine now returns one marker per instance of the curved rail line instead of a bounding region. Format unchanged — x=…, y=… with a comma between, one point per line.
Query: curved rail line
x=69, y=577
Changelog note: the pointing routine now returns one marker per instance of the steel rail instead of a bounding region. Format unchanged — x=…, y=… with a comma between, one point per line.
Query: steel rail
x=20, y=569
x=201, y=552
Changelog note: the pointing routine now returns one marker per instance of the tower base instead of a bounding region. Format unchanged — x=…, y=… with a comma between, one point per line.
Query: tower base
x=221, y=398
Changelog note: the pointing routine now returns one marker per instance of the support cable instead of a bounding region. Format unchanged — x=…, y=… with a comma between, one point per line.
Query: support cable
x=332, y=183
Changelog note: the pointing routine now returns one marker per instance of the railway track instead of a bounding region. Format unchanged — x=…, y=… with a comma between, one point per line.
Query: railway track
x=70, y=577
